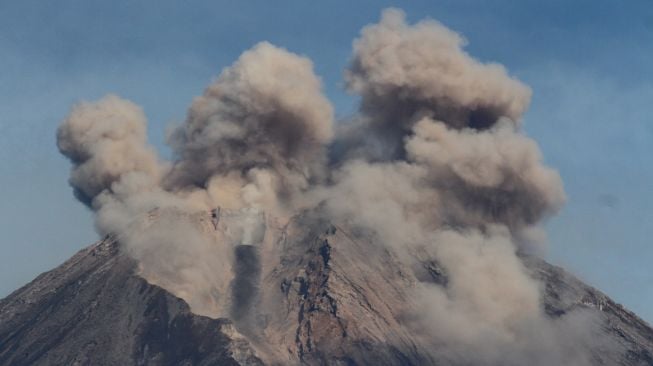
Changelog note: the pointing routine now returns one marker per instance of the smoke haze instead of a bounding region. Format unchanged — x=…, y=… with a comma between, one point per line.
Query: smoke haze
x=434, y=165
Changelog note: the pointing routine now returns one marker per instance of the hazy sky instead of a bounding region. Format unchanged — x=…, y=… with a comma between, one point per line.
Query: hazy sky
x=589, y=65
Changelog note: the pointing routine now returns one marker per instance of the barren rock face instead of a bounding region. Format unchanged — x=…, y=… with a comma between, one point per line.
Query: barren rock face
x=93, y=310
x=329, y=297
x=623, y=329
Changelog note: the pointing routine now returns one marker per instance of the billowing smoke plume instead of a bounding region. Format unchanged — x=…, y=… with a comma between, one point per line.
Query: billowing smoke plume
x=255, y=139
x=261, y=128
x=441, y=167
x=404, y=73
x=433, y=166
x=485, y=177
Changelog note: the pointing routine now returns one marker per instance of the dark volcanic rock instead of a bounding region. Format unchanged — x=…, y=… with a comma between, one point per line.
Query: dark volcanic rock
x=93, y=310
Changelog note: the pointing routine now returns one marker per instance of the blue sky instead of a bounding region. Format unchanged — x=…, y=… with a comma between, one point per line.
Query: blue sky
x=588, y=63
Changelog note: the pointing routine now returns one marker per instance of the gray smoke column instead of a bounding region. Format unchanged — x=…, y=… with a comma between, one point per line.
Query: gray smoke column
x=244, y=287
x=246, y=230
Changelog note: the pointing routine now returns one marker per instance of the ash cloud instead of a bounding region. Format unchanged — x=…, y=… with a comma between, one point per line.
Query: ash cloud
x=434, y=165
x=263, y=125
x=404, y=73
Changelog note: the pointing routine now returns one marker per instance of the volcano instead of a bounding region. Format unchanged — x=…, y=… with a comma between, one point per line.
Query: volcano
x=332, y=297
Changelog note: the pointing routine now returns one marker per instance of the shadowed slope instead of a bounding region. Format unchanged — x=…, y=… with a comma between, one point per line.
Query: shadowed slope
x=93, y=310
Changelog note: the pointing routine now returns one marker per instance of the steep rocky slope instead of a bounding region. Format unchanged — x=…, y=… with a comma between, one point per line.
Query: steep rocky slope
x=624, y=330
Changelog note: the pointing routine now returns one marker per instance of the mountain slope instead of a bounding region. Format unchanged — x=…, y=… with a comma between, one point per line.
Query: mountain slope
x=563, y=292
x=330, y=297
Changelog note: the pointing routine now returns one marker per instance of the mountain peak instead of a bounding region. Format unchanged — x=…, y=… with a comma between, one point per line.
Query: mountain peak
x=331, y=296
